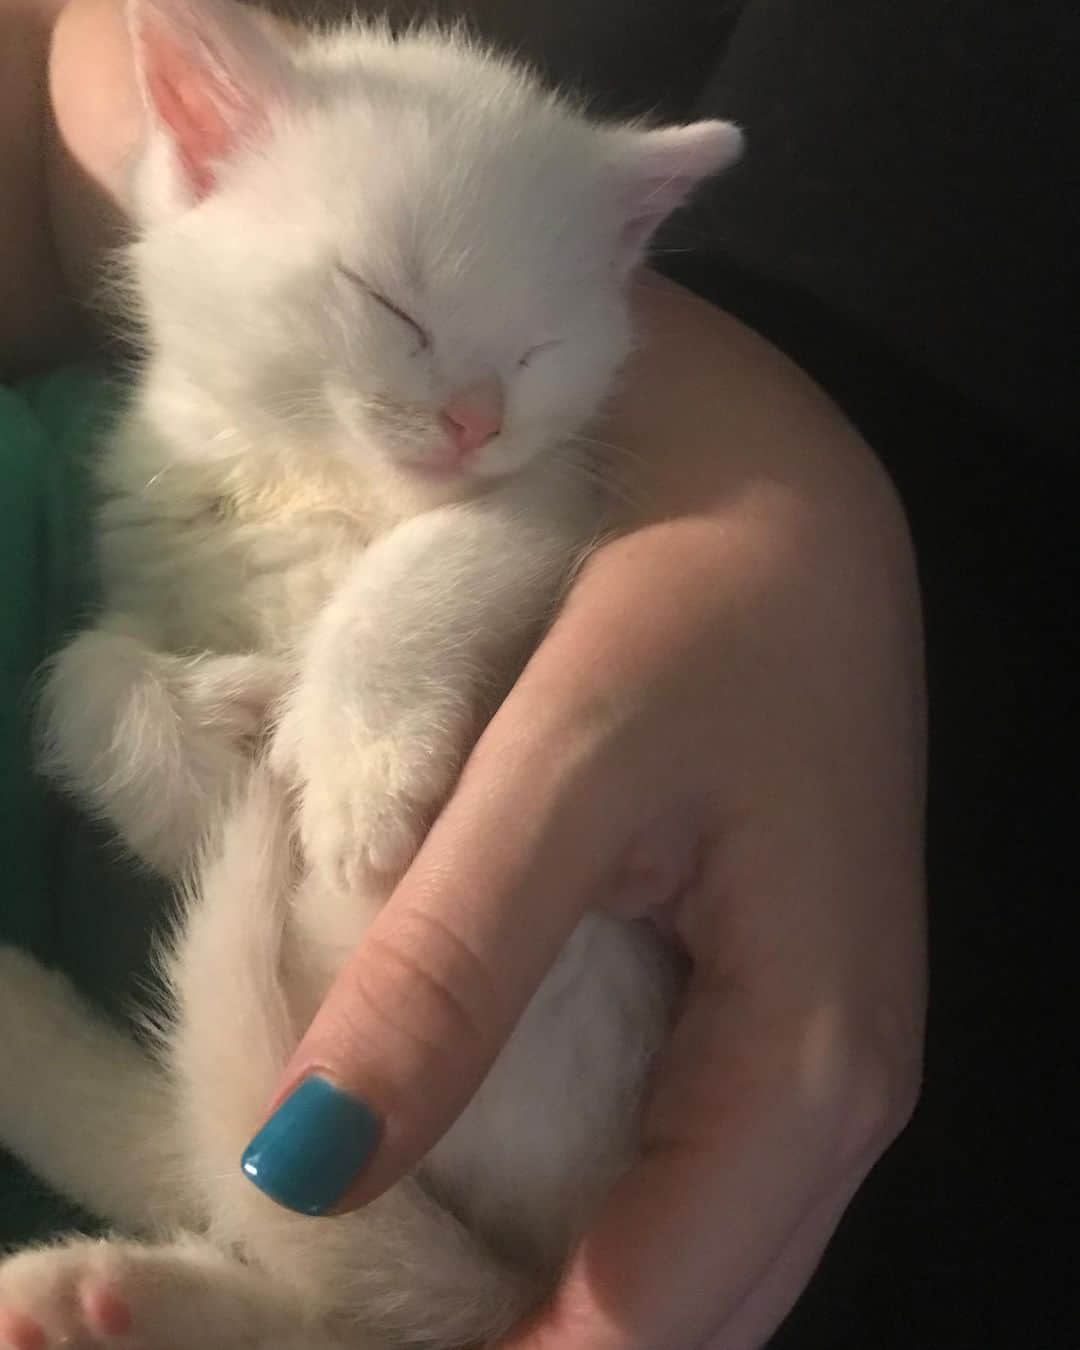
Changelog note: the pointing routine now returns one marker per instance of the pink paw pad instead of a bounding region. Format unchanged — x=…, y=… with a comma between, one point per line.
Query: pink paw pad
x=105, y=1311
x=20, y=1333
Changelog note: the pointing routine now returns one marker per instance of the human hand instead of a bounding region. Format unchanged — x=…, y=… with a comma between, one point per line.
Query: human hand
x=725, y=721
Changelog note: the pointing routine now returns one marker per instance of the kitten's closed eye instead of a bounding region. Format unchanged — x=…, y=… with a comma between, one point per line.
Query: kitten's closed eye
x=540, y=347
x=423, y=336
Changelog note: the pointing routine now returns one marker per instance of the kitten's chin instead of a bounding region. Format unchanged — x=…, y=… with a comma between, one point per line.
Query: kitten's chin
x=428, y=485
x=435, y=472
x=471, y=472
x=440, y=484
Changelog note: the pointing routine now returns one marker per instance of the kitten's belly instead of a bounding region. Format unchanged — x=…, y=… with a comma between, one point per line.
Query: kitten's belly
x=226, y=588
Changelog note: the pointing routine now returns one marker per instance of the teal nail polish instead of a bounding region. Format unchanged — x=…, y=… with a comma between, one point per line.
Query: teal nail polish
x=311, y=1148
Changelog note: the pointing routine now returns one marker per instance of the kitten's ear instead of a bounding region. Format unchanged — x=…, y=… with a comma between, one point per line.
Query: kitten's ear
x=210, y=78
x=664, y=167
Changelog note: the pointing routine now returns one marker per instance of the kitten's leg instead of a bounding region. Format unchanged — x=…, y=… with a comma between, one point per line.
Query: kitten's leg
x=81, y=1104
x=152, y=742
x=185, y=1295
x=424, y=632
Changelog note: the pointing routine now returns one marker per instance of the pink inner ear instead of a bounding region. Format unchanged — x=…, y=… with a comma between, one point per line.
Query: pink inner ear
x=207, y=108
x=200, y=133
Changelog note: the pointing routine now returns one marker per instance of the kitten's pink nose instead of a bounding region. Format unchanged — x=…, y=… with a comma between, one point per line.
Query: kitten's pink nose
x=472, y=416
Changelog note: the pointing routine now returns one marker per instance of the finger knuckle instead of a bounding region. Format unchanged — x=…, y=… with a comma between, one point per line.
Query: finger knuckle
x=437, y=991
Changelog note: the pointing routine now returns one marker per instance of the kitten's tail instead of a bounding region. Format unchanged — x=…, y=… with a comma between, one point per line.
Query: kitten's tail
x=232, y=1031
x=247, y=972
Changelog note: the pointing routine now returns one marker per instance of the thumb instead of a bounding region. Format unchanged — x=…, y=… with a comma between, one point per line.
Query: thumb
x=423, y=1006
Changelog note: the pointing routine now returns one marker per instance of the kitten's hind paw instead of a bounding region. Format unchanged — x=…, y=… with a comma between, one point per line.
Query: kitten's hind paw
x=48, y=1299
x=20, y=1333
x=111, y=1295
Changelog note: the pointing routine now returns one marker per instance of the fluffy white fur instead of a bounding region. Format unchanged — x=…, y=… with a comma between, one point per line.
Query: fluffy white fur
x=308, y=616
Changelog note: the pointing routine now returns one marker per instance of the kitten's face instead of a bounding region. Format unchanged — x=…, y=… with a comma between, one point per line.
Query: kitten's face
x=465, y=307
x=418, y=263
x=440, y=325
x=469, y=358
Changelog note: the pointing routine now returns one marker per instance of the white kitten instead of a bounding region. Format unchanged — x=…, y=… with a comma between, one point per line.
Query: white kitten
x=384, y=288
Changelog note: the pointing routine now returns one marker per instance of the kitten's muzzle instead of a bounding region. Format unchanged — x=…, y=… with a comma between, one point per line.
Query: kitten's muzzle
x=469, y=419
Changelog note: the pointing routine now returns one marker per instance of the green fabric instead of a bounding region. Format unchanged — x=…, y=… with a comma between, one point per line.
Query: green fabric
x=66, y=894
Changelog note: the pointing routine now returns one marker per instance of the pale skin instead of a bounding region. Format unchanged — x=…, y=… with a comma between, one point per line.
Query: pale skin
x=730, y=709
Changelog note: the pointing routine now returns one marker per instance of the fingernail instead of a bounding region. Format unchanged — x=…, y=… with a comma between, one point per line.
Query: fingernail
x=308, y=1152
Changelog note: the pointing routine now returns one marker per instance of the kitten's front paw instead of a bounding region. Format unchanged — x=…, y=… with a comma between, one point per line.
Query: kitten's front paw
x=364, y=815
x=152, y=742
x=365, y=804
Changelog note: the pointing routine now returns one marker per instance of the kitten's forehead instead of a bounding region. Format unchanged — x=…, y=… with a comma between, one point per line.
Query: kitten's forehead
x=506, y=233
x=421, y=171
